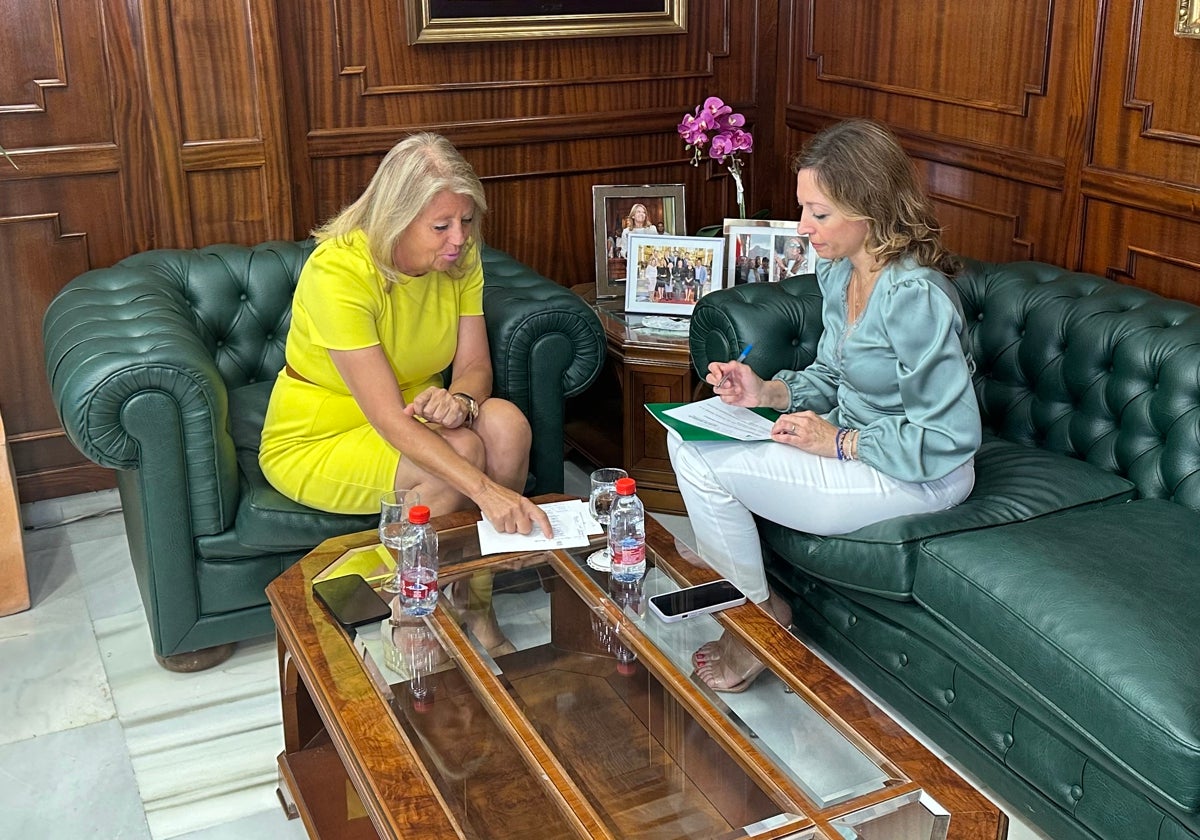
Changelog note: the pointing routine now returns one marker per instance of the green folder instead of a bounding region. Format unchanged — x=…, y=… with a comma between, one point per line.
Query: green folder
x=689, y=432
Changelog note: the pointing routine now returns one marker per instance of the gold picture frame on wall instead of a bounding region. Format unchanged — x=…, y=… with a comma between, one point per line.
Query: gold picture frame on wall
x=1187, y=24
x=442, y=21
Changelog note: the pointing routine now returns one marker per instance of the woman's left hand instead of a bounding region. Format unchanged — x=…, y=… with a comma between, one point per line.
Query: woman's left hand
x=437, y=405
x=806, y=430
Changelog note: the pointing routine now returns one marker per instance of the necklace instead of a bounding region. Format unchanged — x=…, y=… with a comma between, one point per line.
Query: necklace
x=857, y=295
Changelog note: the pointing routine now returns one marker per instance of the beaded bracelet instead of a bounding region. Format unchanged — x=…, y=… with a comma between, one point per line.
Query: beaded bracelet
x=841, y=436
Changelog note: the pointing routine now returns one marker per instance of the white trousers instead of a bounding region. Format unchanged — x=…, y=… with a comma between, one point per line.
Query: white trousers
x=724, y=484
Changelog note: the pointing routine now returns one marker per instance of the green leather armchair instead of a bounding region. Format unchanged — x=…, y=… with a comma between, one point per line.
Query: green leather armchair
x=161, y=368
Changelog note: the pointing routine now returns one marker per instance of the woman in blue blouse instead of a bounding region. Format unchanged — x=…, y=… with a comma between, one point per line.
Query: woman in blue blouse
x=883, y=423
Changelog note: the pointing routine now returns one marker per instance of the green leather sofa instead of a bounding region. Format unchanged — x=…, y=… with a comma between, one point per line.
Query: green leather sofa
x=161, y=367
x=1046, y=632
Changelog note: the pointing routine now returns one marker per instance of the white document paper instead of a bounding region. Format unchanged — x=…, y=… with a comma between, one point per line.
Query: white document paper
x=733, y=421
x=573, y=525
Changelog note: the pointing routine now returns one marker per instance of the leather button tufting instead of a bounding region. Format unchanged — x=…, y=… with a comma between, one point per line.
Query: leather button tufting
x=270, y=336
x=903, y=660
x=1007, y=740
x=949, y=695
x=852, y=620
x=1076, y=792
x=242, y=296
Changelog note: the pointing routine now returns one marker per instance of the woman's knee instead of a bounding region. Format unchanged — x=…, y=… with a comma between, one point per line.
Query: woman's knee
x=468, y=445
x=687, y=463
x=501, y=423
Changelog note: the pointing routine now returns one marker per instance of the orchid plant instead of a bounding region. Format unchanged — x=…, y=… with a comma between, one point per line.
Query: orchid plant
x=714, y=125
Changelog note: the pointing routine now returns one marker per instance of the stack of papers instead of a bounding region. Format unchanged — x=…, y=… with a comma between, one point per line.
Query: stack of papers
x=712, y=419
x=573, y=523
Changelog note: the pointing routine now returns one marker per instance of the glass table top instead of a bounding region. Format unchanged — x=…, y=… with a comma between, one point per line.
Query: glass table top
x=588, y=720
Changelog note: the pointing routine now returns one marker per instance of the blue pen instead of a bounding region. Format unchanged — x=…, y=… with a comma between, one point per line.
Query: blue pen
x=741, y=358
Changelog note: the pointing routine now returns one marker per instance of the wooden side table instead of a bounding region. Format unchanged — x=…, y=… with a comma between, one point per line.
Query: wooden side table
x=609, y=425
x=14, y=583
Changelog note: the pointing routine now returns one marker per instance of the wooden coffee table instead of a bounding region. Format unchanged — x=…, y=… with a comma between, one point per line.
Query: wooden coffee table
x=594, y=727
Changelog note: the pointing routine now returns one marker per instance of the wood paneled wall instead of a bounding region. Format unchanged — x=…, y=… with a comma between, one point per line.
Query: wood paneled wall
x=1067, y=132
x=1059, y=131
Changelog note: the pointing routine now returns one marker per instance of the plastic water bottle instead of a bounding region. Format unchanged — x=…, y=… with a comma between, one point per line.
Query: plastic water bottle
x=627, y=533
x=418, y=564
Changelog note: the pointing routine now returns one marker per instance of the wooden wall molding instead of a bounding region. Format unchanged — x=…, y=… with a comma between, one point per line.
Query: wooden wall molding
x=1137, y=259
x=371, y=49
x=42, y=37
x=1141, y=93
x=881, y=54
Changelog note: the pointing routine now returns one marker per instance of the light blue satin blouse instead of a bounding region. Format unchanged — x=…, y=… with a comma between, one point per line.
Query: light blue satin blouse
x=900, y=374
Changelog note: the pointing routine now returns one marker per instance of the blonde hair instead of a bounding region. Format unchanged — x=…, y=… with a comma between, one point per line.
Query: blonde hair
x=412, y=173
x=862, y=168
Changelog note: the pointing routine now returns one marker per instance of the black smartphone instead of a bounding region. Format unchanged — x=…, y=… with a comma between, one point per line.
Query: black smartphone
x=351, y=600
x=696, y=600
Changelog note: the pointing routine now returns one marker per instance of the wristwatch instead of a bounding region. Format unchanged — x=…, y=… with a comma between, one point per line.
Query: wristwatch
x=472, y=407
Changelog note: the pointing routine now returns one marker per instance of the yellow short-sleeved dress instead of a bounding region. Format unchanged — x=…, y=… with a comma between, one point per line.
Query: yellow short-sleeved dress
x=317, y=446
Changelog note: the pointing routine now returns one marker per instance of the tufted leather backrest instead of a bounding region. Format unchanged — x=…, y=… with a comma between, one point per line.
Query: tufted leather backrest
x=1091, y=368
x=240, y=299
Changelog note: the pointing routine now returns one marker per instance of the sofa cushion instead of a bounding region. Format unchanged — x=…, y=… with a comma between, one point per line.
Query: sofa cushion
x=1012, y=483
x=266, y=519
x=1077, y=609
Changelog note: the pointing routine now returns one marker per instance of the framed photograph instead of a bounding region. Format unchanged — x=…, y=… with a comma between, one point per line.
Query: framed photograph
x=439, y=21
x=620, y=212
x=668, y=274
x=765, y=251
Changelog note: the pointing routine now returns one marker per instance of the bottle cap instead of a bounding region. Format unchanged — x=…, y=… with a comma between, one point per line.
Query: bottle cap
x=626, y=486
x=418, y=514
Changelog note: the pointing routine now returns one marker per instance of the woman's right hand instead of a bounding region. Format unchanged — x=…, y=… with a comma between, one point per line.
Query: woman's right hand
x=742, y=385
x=511, y=513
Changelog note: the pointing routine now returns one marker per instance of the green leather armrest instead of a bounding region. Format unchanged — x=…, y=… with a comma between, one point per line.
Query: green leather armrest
x=782, y=320
x=127, y=365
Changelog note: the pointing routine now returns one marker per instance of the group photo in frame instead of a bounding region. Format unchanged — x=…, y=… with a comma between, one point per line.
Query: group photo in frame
x=669, y=274
x=620, y=212
x=765, y=251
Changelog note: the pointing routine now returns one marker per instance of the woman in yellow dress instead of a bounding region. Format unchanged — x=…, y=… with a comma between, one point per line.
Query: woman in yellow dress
x=391, y=297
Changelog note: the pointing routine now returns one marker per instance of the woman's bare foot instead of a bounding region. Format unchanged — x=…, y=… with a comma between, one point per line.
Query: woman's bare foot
x=733, y=672
x=725, y=664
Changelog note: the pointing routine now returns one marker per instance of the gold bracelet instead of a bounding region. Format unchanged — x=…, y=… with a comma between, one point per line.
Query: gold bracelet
x=470, y=406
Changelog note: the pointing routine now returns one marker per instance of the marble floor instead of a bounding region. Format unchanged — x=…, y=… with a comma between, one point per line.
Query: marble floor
x=98, y=741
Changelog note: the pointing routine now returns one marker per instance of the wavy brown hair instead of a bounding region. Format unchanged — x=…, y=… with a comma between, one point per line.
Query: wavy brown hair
x=861, y=167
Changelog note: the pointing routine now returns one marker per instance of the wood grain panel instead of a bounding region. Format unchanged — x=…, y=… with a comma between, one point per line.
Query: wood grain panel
x=37, y=247
x=217, y=94
x=215, y=105
x=1144, y=249
x=990, y=84
x=1149, y=84
x=231, y=205
x=44, y=99
x=989, y=56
